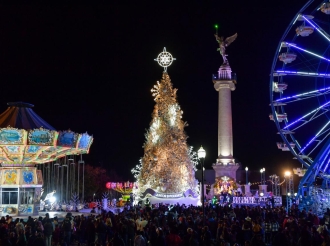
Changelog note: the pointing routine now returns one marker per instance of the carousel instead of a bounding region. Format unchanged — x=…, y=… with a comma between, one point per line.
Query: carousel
x=26, y=140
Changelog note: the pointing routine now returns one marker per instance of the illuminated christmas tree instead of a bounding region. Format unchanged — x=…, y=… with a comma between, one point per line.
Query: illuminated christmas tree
x=168, y=164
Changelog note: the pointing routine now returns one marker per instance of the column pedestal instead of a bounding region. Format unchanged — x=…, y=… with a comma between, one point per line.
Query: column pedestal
x=226, y=170
x=262, y=189
x=247, y=191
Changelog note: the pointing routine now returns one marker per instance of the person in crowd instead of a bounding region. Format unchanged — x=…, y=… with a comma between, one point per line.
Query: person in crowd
x=139, y=239
x=160, y=239
x=100, y=231
x=67, y=229
x=117, y=240
x=21, y=240
x=48, y=232
x=173, y=238
x=56, y=235
x=206, y=236
x=173, y=225
x=13, y=238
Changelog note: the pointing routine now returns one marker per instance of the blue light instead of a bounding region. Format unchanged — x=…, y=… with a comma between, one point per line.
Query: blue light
x=317, y=28
x=313, y=111
x=303, y=73
x=302, y=94
x=317, y=134
x=307, y=51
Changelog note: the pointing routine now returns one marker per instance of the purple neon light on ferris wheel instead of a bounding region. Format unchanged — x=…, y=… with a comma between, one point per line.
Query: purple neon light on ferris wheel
x=308, y=114
x=326, y=167
x=287, y=72
x=302, y=94
x=317, y=134
x=316, y=27
x=307, y=51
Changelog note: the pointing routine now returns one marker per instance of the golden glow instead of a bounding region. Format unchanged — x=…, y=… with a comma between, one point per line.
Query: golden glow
x=287, y=173
x=168, y=164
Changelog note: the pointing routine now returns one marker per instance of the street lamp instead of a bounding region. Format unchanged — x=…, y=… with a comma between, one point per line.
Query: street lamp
x=263, y=175
x=201, y=155
x=264, y=172
x=287, y=174
x=261, y=171
x=246, y=172
x=289, y=189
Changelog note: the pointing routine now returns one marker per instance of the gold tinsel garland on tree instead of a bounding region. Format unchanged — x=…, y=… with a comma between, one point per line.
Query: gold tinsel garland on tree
x=167, y=164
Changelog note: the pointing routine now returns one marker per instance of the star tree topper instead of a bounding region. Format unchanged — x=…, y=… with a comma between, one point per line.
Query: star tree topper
x=165, y=59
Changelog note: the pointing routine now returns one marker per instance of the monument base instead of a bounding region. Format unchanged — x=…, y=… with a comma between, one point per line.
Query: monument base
x=154, y=197
x=172, y=201
x=225, y=170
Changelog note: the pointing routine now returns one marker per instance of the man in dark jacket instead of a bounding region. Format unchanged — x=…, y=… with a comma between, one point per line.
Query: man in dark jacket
x=67, y=229
x=48, y=232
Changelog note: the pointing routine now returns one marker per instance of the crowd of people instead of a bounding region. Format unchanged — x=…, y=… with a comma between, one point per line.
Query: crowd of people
x=177, y=225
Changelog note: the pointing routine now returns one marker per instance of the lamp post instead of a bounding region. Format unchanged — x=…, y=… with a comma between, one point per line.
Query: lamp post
x=288, y=201
x=264, y=172
x=201, y=156
x=246, y=172
x=289, y=188
x=261, y=171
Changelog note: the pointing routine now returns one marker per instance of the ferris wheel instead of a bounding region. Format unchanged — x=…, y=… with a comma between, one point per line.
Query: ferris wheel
x=300, y=90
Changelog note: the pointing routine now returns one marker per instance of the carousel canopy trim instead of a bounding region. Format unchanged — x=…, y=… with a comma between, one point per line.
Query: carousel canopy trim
x=26, y=139
x=20, y=115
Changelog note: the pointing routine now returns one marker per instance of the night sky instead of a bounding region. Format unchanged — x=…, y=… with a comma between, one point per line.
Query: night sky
x=91, y=67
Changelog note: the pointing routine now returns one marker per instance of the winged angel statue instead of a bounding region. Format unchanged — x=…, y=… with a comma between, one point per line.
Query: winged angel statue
x=223, y=43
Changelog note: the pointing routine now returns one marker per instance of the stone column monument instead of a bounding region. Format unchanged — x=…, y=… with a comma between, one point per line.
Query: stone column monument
x=224, y=83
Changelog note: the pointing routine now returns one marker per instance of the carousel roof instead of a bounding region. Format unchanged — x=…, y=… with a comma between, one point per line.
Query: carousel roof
x=20, y=115
x=26, y=139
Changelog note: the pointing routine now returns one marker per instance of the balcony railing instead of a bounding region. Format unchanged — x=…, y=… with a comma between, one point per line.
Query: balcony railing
x=217, y=77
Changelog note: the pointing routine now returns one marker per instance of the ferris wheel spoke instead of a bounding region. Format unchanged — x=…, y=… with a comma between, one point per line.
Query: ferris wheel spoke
x=303, y=96
x=321, y=132
x=318, y=144
x=318, y=29
x=301, y=73
x=327, y=164
x=307, y=51
x=312, y=115
x=324, y=161
x=309, y=64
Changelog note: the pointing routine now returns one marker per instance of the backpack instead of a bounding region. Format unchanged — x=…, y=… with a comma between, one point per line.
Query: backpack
x=66, y=225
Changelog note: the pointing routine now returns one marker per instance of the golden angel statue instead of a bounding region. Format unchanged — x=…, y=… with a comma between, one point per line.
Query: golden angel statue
x=223, y=43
